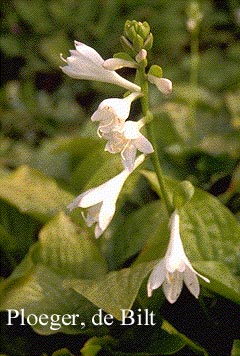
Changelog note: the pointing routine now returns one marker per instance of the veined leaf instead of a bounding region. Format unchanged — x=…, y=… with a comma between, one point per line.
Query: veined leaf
x=36, y=285
x=115, y=291
x=33, y=193
x=68, y=250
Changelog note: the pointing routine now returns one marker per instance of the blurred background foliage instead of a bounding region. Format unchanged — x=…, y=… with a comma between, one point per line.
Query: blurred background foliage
x=44, y=113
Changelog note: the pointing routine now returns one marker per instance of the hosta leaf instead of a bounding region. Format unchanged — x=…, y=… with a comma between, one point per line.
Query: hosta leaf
x=222, y=280
x=68, y=250
x=136, y=229
x=115, y=291
x=36, y=285
x=33, y=193
x=41, y=292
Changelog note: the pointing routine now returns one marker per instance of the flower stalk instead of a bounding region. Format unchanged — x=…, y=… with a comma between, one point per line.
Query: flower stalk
x=143, y=83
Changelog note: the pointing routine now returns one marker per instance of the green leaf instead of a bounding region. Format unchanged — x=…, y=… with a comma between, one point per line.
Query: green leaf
x=139, y=227
x=89, y=166
x=172, y=331
x=222, y=280
x=36, y=285
x=95, y=344
x=115, y=291
x=17, y=232
x=68, y=250
x=62, y=352
x=33, y=194
x=77, y=146
x=236, y=348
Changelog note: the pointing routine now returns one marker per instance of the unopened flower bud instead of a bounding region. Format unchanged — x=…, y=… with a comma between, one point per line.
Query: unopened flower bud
x=149, y=42
x=141, y=56
x=138, y=43
x=182, y=194
x=127, y=46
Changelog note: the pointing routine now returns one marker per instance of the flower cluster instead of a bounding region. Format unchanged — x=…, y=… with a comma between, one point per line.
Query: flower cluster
x=124, y=137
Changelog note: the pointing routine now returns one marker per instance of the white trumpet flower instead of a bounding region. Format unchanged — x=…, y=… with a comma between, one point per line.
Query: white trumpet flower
x=112, y=113
x=101, y=200
x=175, y=268
x=128, y=141
x=86, y=63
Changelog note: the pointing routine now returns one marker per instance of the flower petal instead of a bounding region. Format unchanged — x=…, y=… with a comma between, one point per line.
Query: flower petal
x=157, y=277
x=131, y=130
x=128, y=157
x=172, y=286
x=191, y=281
x=143, y=145
x=106, y=214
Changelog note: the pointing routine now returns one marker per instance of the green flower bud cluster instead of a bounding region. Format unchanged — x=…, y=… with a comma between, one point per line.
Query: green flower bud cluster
x=136, y=36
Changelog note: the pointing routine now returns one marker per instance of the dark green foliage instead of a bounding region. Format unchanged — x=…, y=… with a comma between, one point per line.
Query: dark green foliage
x=49, y=152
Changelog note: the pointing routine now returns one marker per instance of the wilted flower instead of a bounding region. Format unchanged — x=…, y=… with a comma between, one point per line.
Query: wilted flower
x=101, y=200
x=112, y=113
x=86, y=63
x=174, y=268
x=128, y=141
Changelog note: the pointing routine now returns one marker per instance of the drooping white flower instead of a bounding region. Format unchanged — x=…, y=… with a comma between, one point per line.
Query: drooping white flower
x=113, y=112
x=128, y=141
x=101, y=200
x=164, y=85
x=86, y=63
x=175, y=268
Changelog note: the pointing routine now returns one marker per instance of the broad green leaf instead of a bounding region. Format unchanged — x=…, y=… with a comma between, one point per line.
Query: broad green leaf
x=137, y=340
x=41, y=292
x=89, y=166
x=33, y=193
x=151, y=342
x=36, y=285
x=137, y=228
x=68, y=250
x=17, y=233
x=222, y=280
x=236, y=348
x=115, y=291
